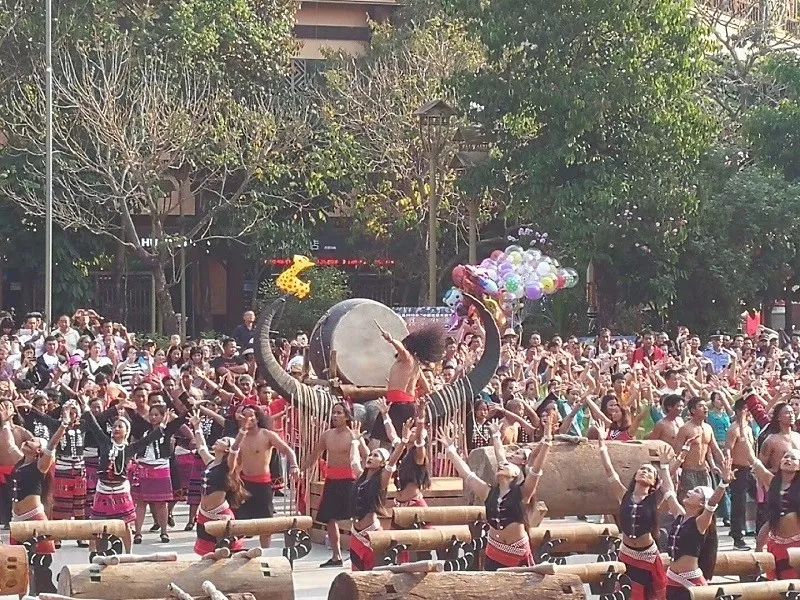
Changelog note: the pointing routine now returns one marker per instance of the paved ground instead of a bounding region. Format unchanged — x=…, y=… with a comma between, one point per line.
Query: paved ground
x=311, y=582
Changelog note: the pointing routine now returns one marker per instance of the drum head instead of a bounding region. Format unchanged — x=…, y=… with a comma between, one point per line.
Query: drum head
x=363, y=357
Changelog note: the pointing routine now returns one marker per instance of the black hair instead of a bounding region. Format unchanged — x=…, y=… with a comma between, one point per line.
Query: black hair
x=671, y=401
x=426, y=342
x=692, y=403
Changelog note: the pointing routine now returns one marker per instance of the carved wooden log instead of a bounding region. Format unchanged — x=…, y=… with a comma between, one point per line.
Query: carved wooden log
x=265, y=578
x=462, y=585
x=419, y=540
x=422, y=566
x=258, y=526
x=573, y=481
x=579, y=537
x=245, y=596
x=588, y=572
x=70, y=530
x=739, y=562
x=762, y=590
x=13, y=570
x=437, y=515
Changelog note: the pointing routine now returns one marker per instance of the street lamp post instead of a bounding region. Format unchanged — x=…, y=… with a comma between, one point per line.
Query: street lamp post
x=48, y=215
x=434, y=123
x=473, y=153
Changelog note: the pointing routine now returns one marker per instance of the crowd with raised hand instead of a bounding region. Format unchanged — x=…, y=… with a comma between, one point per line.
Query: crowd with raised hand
x=99, y=424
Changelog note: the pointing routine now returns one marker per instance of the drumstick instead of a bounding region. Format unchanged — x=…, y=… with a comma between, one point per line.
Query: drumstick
x=135, y=558
x=210, y=589
x=378, y=326
x=178, y=592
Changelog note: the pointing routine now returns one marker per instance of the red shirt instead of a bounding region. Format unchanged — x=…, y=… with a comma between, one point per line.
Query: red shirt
x=656, y=354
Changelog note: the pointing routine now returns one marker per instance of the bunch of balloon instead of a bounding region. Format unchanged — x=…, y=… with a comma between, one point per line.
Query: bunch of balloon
x=509, y=278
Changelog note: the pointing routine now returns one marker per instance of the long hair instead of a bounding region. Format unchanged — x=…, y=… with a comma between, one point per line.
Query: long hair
x=237, y=494
x=347, y=413
x=426, y=342
x=774, y=497
x=653, y=499
x=707, y=559
x=773, y=426
x=408, y=471
x=625, y=419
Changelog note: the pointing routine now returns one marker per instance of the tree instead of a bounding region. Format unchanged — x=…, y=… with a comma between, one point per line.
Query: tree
x=328, y=287
x=595, y=109
x=133, y=137
x=378, y=173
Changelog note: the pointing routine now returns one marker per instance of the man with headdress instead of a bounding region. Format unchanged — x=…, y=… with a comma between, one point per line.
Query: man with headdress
x=424, y=345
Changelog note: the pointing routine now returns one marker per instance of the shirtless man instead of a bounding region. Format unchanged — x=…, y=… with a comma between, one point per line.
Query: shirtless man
x=740, y=440
x=8, y=461
x=255, y=452
x=425, y=345
x=667, y=428
x=695, y=466
x=339, y=441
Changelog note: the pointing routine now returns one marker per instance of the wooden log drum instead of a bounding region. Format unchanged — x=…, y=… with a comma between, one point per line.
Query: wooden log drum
x=265, y=578
x=251, y=527
x=478, y=585
x=407, y=517
x=13, y=570
x=573, y=479
x=762, y=590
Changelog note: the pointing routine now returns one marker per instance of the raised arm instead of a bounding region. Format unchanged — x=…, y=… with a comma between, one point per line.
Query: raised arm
x=47, y=459
x=704, y=520
x=667, y=486
x=597, y=414
x=536, y=461
x=403, y=355
x=388, y=426
x=200, y=440
x=7, y=433
x=471, y=481
x=497, y=443
x=608, y=466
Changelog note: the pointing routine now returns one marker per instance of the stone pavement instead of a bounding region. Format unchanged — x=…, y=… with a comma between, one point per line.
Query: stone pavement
x=310, y=582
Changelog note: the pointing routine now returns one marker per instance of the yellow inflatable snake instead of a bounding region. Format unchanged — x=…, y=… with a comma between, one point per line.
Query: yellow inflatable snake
x=289, y=281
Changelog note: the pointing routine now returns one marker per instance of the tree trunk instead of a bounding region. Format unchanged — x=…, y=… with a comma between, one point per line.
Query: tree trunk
x=203, y=308
x=606, y=294
x=117, y=312
x=164, y=296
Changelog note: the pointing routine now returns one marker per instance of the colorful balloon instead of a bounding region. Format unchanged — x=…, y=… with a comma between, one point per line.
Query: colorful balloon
x=513, y=248
x=533, y=292
x=548, y=285
x=497, y=255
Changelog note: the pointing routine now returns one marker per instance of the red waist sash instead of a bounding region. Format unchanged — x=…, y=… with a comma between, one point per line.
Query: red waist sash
x=399, y=397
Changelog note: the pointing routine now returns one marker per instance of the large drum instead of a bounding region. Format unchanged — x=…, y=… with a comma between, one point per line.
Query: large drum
x=363, y=357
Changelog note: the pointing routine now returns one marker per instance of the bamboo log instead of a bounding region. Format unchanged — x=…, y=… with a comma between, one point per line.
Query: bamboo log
x=244, y=596
x=762, y=590
x=69, y=530
x=265, y=578
x=794, y=557
x=422, y=566
x=437, y=515
x=135, y=558
x=740, y=563
x=573, y=481
x=588, y=572
x=579, y=537
x=258, y=526
x=419, y=540
x=13, y=570
x=375, y=585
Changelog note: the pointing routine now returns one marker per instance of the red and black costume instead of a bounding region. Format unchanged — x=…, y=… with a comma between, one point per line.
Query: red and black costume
x=781, y=503
x=366, y=499
x=685, y=539
x=643, y=565
x=215, y=479
x=500, y=513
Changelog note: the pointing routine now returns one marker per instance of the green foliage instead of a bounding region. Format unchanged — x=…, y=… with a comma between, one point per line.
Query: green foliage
x=595, y=107
x=74, y=256
x=328, y=287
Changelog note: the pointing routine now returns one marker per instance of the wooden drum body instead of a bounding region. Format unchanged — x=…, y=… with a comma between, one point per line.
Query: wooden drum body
x=13, y=570
x=363, y=357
